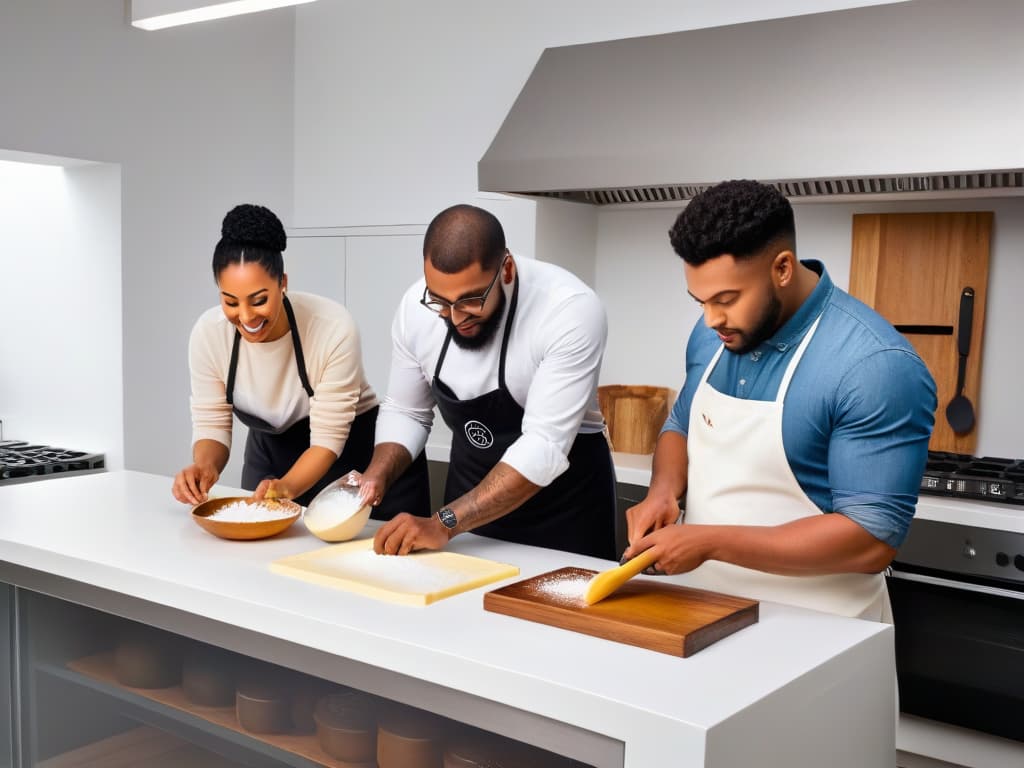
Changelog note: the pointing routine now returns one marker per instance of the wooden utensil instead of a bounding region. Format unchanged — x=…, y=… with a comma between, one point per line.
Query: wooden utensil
x=648, y=613
x=608, y=581
x=960, y=412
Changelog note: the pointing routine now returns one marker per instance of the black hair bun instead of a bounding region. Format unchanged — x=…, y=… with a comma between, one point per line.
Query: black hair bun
x=254, y=225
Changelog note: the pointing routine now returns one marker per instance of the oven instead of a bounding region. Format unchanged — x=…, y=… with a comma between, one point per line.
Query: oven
x=958, y=602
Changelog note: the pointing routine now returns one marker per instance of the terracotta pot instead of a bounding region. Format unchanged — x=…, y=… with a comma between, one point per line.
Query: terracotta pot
x=408, y=738
x=346, y=727
x=146, y=657
x=263, y=706
x=208, y=675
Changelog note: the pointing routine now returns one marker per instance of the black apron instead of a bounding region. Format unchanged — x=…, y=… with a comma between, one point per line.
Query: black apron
x=270, y=451
x=575, y=513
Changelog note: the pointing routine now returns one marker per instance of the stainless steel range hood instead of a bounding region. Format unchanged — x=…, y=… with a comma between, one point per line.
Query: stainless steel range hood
x=912, y=99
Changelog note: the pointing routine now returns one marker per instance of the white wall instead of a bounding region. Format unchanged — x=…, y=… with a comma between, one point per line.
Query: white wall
x=60, y=380
x=396, y=101
x=199, y=119
x=650, y=314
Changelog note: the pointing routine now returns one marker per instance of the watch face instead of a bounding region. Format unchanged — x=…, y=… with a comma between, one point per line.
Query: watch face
x=447, y=517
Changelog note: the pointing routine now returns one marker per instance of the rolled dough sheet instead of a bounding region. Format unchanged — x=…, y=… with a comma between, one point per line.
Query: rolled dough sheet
x=418, y=579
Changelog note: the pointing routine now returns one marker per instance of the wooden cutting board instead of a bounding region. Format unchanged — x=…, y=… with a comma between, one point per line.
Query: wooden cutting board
x=645, y=612
x=418, y=579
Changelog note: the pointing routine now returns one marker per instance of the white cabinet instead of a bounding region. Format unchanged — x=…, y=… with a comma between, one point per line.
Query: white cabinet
x=380, y=269
x=365, y=268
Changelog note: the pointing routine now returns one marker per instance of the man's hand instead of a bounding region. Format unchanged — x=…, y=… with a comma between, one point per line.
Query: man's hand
x=193, y=483
x=407, y=533
x=371, y=488
x=651, y=514
x=679, y=548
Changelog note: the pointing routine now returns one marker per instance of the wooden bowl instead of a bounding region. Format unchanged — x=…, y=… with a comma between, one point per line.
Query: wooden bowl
x=248, y=530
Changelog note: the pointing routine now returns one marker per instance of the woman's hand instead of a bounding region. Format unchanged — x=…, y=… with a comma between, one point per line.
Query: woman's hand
x=194, y=482
x=272, y=488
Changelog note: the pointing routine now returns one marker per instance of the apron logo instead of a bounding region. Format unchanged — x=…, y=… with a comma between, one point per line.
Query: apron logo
x=478, y=434
x=707, y=420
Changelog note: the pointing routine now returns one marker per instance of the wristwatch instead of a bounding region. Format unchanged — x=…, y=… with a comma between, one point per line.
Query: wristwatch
x=447, y=517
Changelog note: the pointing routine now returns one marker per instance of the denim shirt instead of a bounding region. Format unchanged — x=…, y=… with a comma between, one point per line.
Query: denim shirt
x=858, y=413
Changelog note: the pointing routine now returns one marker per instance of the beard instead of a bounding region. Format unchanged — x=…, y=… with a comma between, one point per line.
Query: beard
x=487, y=328
x=766, y=325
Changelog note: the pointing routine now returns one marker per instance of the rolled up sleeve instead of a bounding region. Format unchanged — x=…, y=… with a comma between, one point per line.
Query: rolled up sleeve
x=562, y=389
x=879, y=446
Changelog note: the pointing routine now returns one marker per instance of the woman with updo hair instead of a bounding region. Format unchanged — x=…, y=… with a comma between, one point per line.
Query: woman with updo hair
x=289, y=366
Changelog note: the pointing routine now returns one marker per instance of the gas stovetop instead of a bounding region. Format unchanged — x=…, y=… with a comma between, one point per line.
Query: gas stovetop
x=20, y=461
x=969, y=477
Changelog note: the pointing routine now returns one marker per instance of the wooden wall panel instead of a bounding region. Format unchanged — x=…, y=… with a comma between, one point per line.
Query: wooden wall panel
x=912, y=268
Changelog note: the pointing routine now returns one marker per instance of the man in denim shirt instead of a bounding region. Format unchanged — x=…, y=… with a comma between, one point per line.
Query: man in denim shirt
x=801, y=432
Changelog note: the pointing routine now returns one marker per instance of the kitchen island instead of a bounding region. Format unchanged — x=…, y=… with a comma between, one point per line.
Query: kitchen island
x=798, y=688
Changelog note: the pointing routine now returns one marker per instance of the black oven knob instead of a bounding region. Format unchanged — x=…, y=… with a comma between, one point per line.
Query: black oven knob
x=969, y=551
x=1018, y=561
x=1002, y=559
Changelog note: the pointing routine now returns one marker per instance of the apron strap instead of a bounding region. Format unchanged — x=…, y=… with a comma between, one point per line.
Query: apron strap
x=780, y=396
x=300, y=360
x=508, y=332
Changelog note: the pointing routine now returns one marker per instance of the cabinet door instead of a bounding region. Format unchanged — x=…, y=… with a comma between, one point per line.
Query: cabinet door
x=317, y=265
x=6, y=691
x=379, y=270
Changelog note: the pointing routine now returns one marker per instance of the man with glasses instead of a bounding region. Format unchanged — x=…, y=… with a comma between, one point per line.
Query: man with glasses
x=509, y=351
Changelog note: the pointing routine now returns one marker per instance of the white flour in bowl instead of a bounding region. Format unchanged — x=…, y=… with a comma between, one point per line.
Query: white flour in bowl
x=254, y=512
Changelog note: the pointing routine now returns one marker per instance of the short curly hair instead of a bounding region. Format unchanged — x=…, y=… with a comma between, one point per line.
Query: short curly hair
x=251, y=233
x=738, y=217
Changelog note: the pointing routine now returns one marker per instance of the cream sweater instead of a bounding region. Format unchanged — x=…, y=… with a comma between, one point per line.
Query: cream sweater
x=267, y=382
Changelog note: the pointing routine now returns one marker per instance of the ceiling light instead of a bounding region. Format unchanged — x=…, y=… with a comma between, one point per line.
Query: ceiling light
x=160, y=14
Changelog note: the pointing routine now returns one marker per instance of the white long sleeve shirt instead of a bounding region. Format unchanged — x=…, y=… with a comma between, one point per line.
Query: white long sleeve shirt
x=267, y=381
x=553, y=363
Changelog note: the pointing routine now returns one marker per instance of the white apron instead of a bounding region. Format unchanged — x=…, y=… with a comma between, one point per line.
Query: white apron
x=739, y=475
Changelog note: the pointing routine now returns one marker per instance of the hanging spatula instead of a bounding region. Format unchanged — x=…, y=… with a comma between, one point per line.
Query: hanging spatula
x=606, y=582
x=960, y=412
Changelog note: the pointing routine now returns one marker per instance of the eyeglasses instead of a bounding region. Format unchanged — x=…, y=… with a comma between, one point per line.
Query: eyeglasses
x=472, y=305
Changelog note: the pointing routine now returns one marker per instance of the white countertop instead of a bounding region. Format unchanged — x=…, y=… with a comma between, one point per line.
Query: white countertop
x=122, y=531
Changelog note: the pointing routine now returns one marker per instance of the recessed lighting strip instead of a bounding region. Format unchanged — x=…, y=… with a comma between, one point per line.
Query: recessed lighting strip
x=205, y=12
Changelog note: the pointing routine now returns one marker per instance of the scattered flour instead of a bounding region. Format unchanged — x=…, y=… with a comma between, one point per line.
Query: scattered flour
x=565, y=588
x=254, y=512
x=411, y=573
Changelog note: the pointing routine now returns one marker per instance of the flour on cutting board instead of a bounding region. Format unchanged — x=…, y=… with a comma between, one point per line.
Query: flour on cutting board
x=566, y=588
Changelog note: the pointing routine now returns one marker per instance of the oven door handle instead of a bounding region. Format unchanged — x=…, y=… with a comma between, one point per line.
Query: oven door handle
x=962, y=585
